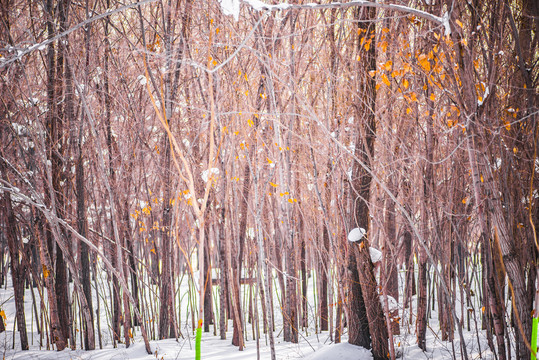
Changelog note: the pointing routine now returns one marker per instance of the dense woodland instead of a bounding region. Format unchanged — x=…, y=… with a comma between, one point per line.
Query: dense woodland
x=152, y=144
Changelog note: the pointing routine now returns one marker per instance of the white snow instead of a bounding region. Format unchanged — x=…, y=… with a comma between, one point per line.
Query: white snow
x=257, y=5
x=487, y=92
x=209, y=174
x=376, y=255
x=393, y=304
x=342, y=351
x=142, y=80
x=446, y=24
x=231, y=7
x=356, y=234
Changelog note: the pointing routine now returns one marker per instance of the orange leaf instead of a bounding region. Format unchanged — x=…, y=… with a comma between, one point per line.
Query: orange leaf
x=46, y=272
x=385, y=80
x=368, y=44
x=424, y=62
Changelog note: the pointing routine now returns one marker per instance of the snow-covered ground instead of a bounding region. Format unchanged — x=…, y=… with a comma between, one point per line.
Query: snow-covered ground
x=311, y=345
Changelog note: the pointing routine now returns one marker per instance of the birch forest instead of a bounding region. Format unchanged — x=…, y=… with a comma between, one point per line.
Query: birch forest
x=360, y=172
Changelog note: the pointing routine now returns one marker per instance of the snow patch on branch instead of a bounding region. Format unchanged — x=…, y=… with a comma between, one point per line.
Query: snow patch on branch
x=231, y=7
x=210, y=174
x=260, y=5
x=446, y=24
x=376, y=255
x=356, y=234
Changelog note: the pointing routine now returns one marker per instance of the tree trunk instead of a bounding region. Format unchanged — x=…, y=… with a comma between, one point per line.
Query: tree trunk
x=361, y=182
x=17, y=267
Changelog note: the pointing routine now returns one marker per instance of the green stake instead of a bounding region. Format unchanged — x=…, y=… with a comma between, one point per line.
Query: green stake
x=198, y=339
x=534, y=337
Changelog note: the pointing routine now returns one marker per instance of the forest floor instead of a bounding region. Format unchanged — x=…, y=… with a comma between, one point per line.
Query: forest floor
x=311, y=345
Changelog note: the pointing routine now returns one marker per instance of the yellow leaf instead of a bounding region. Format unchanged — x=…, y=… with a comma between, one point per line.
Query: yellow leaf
x=385, y=80
x=250, y=122
x=388, y=65
x=46, y=272
x=408, y=111
x=269, y=161
x=407, y=67
x=377, y=87
x=424, y=62
x=481, y=176
x=153, y=251
x=464, y=200
x=290, y=200
x=459, y=23
x=432, y=97
x=413, y=96
x=274, y=185
x=368, y=44
x=372, y=73
x=515, y=150
x=405, y=83
x=507, y=125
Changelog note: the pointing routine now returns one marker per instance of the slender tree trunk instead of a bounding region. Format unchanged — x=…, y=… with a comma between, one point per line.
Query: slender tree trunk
x=17, y=267
x=208, y=313
x=224, y=266
x=362, y=182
